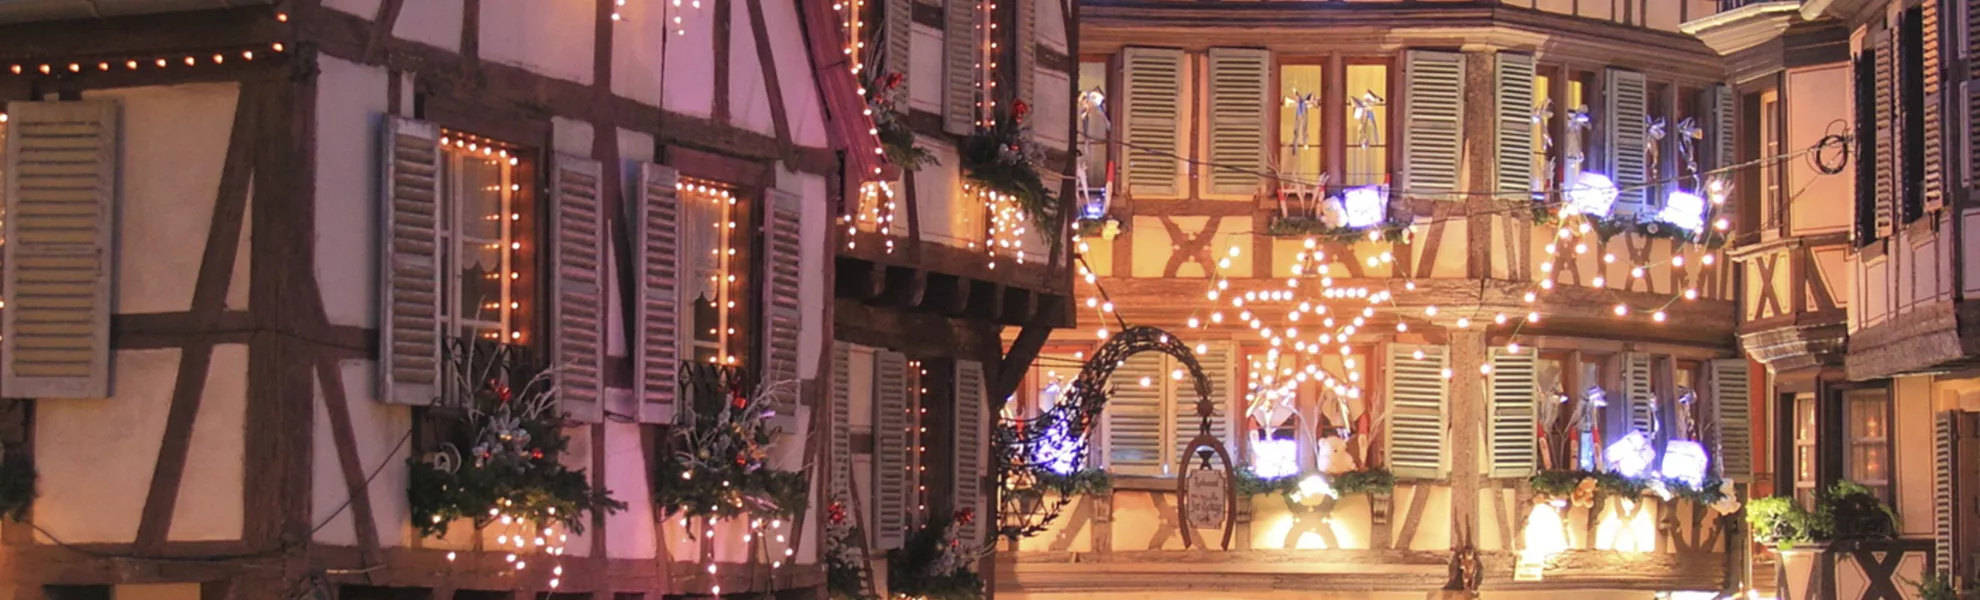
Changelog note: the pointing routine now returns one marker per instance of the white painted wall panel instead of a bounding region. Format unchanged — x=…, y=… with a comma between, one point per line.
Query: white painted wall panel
x=378, y=429
x=690, y=65
x=571, y=136
x=549, y=38
x=350, y=103
x=438, y=23
x=1970, y=270
x=1050, y=26
x=210, y=500
x=925, y=70
x=577, y=456
x=800, y=84
x=813, y=262
x=749, y=95
x=937, y=198
x=237, y=283
x=362, y=8
x=96, y=457
x=637, y=48
x=1052, y=114
x=174, y=146
x=631, y=530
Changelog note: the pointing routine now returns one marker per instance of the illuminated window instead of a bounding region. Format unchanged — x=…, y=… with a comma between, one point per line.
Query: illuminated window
x=709, y=247
x=1770, y=174
x=482, y=233
x=1096, y=132
x=1367, y=155
x=1691, y=418
x=1804, y=449
x=1869, y=438
x=1302, y=156
x=1543, y=149
x=1303, y=412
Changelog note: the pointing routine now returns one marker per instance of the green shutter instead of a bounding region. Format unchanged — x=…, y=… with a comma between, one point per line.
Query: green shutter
x=1433, y=123
x=1238, y=81
x=1625, y=100
x=1732, y=399
x=1416, y=411
x=1153, y=100
x=1515, y=125
x=1135, y=413
x=1514, y=389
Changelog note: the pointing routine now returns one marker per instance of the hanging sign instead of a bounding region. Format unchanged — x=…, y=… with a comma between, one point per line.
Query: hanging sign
x=1206, y=499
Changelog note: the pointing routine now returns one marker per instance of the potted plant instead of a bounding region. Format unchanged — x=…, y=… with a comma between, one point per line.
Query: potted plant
x=1810, y=543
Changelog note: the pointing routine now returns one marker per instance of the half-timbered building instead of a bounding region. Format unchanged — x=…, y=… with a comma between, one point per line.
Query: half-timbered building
x=240, y=236
x=1373, y=224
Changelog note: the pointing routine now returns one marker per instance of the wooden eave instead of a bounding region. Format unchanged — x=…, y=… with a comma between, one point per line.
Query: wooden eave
x=1937, y=337
x=1738, y=29
x=1851, y=12
x=124, y=36
x=21, y=11
x=849, y=126
x=1331, y=27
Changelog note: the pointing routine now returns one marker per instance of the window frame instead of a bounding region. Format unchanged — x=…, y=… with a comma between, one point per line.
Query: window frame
x=1880, y=397
x=527, y=291
x=733, y=339
x=1805, y=463
x=1321, y=142
x=1391, y=101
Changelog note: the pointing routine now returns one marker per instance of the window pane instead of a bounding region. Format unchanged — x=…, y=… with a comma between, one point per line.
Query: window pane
x=1543, y=171
x=477, y=241
x=1093, y=76
x=1300, y=143
x=1368, y=125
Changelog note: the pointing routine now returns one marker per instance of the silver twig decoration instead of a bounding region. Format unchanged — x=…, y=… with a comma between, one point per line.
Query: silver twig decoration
x=1092, y=110
x=1688, y=137
x=1543, y=116
x=1578, y=122
x=1364, y=115
x=1653, y=140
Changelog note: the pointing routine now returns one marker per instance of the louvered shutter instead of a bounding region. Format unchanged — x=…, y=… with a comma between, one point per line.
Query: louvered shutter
x=782, y=279
x=1868, y=182
x=1433, y=123
x=1027, y=50
x=971, y=450
x=840, y=469
x=1135, y=411
x=409, y=263
x=893, y=451
x=1515, y=135
x=1733, y=403
x=1153, y=82
x=1637, y=400
x=577, y=247
x=1416, y=411
x=896, y=41
x=1955, y=480
x=1217, y=363
x=1626, y=101
x=1945, y=447
x=1963, y=122
x=1239, y=78
x=1718, y=151
x=1934, y=117
x=1962, y=40
x=656, y=315
x=61, y=189
x=961, y=44
x=1886, y=189
x=1513, y=396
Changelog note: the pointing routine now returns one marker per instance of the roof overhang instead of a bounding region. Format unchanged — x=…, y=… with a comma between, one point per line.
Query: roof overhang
x=1745, y=27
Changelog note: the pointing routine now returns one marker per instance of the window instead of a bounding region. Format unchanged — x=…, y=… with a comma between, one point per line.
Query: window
x=480, y=232
x=1691, y=416
x=1868, y=461
x=1770, y=171
x=1912, y=95
x=1302, y=413
x=1095, y=131
x=1574, y=141
x=1805, y=480
x=1151, y=413
x=1867, y=214
x=716, y=304
x=1367, y=154
x=1302, y=145
x=1545, y=115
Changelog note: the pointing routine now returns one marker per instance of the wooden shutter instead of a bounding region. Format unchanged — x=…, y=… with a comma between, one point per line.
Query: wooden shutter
x=1868, y=175
x=896, y=41
x=782, y=281
x=657, y=318
x=1433, y=123
x=1513, y=395
x=1218, y=363
x=1962, y=121
x=1955, y=481
x=1027, y=49
x=1934, y=117
x=61, y=189
x=1733, y=402
x=1886, y=188
x=1637, y=401
x=1718, y=151
x=840, y=470
x=1515, y=135
x=972, y=403
x=960, y=52
x=1626, y=102
x=893, y=451
x=1153, y=78
x=1135, y=413
x=409, y=264
x=1416, y=411
x=1239, y=80
x=577, y=237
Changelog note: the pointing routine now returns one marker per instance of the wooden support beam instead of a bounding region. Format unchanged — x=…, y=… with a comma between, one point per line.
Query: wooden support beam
x=955, y=294
x=986, y=300
x=1019, y=306
x=1018, y=359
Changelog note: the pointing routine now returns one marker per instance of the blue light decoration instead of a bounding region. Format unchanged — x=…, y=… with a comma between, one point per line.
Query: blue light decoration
x=1059, y=450
x=1592, y=194
x=1683, y=210
x=1365, y=206
x=1684, y=462
x=1595, y=397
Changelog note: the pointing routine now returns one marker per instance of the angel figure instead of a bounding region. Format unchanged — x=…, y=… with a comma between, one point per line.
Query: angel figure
x=1653, y=141
x=1369, y=131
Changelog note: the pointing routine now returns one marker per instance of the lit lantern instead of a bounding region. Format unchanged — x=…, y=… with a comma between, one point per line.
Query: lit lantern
x=1631, y=456
x=1684, y=210
x=1365, y=205
x=1313, y=490
x=1684, y=462
x=1592, y=194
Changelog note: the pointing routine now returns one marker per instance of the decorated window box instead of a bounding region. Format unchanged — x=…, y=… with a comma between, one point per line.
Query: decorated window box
x=1844, y=548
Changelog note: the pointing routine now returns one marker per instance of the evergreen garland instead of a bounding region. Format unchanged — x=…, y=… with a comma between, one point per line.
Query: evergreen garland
x=1567, y=484
x=722, y=440
x=1000, y=158
x=897, y=138
x=936, y=564
x=510, y=421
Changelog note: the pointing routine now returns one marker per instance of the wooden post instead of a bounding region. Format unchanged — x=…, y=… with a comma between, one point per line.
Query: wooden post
x=1466, y=403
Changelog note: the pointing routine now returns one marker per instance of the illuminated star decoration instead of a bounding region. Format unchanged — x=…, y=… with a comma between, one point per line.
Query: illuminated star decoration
x=1092, y=109
x=1364, y=115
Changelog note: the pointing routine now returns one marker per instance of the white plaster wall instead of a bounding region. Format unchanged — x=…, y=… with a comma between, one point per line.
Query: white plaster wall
x=1049, y=24
x=378, y=429
x=209, y=506
x=550, y=38
x=749, y=96
x=174, y=145
x=800, y=87
x=96, y=457
x=571, y=136
x=1051, y=111
x=629, y=532
x=350, y=104
x=157, y=591
x=362, y=8
x=1914, y=465
x=638, y=41
x=689, y=59
x=925, y=70
x=436, y=23
x=577, y=457
x=938, y=196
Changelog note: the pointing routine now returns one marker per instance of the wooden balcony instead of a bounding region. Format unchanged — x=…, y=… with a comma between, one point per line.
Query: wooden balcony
x=953, y=281
x=1793, y=314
